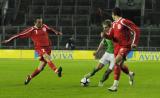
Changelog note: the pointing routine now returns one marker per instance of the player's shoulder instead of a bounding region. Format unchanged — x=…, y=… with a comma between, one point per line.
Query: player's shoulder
x=125, y=21
x=106, y=40
x=113, y=22
x=44, y=25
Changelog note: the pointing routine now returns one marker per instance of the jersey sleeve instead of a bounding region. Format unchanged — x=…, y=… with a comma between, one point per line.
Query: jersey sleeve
x=102, y=41
x=135, y=29
x=24, y=34
x=109, y=34
x=47, y=27
x=50, y=29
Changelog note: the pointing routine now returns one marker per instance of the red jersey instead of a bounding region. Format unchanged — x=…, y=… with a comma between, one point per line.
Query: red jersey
x=121, y=32
x=38, y=35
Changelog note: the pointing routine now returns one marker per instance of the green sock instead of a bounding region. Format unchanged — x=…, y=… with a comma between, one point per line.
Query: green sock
x=92, y=73
x=106, y=75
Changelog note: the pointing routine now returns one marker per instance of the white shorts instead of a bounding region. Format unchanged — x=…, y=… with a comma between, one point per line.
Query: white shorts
x=107, y=58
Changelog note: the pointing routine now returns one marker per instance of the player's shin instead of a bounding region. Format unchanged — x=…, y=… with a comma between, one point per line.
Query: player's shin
x=58, y=71
x=92, y=73
x=117, y=72
x=38, y=70
x=50, y=63
x=52, y=66
x=125, y=69
x=106, y=75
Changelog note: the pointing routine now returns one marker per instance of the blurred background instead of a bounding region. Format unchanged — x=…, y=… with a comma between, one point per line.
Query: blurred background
x=79, y=20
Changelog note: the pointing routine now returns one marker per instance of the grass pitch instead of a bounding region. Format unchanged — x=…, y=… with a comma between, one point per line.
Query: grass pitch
x=47, y=85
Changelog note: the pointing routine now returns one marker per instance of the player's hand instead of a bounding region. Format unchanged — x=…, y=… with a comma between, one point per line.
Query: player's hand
x=5, y=41
x=133, y=46
x=102, y=34
x=59, y=33
x=95, y=53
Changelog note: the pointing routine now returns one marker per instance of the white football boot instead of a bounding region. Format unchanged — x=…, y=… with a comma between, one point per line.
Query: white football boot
x=131, y=78
x=100, y=84
x=114, y=87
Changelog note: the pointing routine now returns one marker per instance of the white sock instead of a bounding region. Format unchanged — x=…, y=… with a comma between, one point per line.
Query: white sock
x=130, y=73
x=116, y=82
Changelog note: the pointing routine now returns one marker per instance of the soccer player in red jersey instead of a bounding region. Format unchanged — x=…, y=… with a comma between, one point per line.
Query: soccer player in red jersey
x=39, y=35
x=121, y=33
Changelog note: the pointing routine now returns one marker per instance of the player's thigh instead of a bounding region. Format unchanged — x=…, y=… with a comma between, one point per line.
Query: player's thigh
x=100, y=65
x=42, y=64
x=122, y=53
x=112, y=62
x=105, y=59
x=46, y=51
x=47, y=57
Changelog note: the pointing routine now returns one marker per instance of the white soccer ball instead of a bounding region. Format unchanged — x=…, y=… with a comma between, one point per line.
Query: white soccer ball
x=85, y=82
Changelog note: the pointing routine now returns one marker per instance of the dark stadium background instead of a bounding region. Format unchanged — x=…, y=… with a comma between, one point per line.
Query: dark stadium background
x=80, y=19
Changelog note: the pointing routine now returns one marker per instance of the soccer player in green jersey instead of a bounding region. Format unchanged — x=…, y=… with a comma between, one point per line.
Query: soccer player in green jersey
x=107, y=58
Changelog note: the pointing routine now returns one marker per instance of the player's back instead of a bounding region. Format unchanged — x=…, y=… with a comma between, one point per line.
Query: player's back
x=122, y=33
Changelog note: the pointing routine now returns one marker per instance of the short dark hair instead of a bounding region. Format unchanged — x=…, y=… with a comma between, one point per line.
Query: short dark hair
x=117, y=11
x=107, y=22
x=38, y=17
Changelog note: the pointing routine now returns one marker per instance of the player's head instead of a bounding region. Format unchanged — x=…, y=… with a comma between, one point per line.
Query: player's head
x=116, y=12
x=106, y=24
x=38, y=22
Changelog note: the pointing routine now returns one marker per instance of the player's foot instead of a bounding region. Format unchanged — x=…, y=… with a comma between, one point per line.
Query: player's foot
x=131, y=78
x=113, y=88
x=100, y=84
x=59, y=72
x=28, y=79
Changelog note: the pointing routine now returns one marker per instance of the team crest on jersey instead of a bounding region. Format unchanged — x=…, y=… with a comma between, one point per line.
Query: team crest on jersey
x=44, y=29
x=36, y=31
x=119, y=26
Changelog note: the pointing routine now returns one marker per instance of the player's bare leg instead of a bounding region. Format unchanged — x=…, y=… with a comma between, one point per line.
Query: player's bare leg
x=52, y=65
x=36, y=72
x=92, y=73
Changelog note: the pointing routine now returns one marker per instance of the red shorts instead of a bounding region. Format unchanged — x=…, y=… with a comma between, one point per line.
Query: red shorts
x=42, y=50
x=121, y=50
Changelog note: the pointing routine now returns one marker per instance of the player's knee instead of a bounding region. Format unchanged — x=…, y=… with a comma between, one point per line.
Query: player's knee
x=100, y=66
x=47, y=57
x=109, y=71
x=42, y=68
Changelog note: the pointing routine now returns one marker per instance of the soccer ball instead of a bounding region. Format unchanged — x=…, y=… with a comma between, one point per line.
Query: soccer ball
x=85, y=82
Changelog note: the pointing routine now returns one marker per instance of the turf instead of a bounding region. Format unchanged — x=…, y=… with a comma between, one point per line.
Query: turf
x=48, y=85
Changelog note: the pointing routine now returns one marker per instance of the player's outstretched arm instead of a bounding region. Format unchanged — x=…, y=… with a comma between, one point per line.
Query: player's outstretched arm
x=10, y=39
x=53, y=30
x=23, y=34
x=99, y=47
x=56, y=32
x=5, y=41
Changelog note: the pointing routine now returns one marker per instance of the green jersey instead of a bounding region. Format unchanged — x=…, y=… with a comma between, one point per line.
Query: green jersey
x=108, y=45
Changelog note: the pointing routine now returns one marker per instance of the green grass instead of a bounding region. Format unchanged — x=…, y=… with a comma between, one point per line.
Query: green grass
x=48, y=85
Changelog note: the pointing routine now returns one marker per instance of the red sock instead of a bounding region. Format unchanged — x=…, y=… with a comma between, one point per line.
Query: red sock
x=117, y=72
x=125, y=69
x=52, y=66
x=36, y=72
